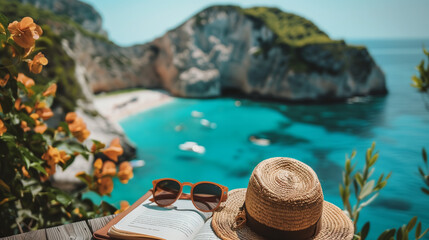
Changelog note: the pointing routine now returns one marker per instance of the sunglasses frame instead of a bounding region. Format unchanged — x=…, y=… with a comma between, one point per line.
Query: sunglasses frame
x=190, y=196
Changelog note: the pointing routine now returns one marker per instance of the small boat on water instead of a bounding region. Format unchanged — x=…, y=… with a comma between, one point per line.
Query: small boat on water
x=137, y=163
x=260, y=141
x=196, y=114
x=208, y=124
x=192, y=147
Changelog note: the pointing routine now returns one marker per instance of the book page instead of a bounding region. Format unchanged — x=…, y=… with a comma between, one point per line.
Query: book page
x=206, y=232
x=179, y=221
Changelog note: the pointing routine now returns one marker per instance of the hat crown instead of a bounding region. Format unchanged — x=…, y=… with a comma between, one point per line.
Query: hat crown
x=285, y=194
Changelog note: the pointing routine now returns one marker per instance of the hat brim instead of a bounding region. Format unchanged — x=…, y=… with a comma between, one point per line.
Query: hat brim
x=334, y=223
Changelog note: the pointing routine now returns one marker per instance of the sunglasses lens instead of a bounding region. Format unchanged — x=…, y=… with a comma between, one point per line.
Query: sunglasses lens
x=166, y=192
x=206, y=196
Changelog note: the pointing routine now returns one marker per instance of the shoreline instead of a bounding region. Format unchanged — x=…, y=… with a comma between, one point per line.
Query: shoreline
x=117, y=107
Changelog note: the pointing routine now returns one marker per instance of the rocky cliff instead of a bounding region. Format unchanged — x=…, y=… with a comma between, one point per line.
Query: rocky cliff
x=226, y=48
x=261, y=52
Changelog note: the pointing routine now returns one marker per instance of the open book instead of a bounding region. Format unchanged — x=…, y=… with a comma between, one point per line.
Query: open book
x=179, y=221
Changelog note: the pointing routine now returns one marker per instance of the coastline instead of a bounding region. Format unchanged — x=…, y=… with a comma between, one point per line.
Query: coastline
x=119, y=106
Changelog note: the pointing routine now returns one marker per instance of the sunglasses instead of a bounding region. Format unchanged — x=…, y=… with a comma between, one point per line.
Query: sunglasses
x=206, y=196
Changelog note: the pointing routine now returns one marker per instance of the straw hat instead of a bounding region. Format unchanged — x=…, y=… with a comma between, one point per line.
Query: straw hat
x=284, y=200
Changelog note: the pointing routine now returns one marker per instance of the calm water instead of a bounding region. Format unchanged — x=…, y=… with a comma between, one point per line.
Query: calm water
x=319, y=135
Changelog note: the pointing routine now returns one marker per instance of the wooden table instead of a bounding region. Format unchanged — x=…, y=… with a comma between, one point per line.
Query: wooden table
x=73, y=231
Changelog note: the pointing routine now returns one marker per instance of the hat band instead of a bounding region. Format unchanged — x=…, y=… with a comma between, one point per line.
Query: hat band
x=274, y=233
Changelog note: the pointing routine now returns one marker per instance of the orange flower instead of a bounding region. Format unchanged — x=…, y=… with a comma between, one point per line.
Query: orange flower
x=114, y=150
x=24, y=126
x=64, y=157
x=52, y=157
x=124, y=206
x=19, y=106
x=105, y=185
x=3, y=81
x=98, y=164
x=3, y=128
x=52, y=89
x=40, y=127
x=37, y=63
x=34, y=116
x=45, y=113
x=70, y=117
x=25, y=172
x=109, y=169
x=77, y=127
x=125, y=172
x=77, y=212
x=25, y=32
x=81, y=135
x=28, y=82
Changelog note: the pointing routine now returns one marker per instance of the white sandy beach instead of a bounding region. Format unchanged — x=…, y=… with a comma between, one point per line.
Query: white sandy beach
x=122, y=105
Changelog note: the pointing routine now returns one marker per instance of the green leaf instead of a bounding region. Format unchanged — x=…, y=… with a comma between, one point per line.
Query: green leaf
x=38, y=167
x=366, y=189
x=418, y=230
x=422, y=172
x=388, y=176
x=342, y=192
x=4, y=21
x=411, y=224
x=387, y=235
x=425, y=190
x=400, y=233
x=373, y=159
x=359, y=179
x=425, y=156
x=84, y=177
x=364, y=231
x=367, y=202
x=63, y=199
x=4, y=186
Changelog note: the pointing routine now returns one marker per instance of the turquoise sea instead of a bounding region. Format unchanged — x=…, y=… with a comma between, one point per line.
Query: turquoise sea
x=319, y=135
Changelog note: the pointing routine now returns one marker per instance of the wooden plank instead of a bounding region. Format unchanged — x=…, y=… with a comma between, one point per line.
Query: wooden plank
x=78, y=230
x=57, y=233
x=39, y=234
x=98, y=223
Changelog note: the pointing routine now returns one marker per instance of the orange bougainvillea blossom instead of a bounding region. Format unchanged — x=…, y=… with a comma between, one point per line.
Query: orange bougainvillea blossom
x=3, y=80
x=109, y=169
x=77, y=127
x=105, y=185
x=114, y=150
x=25, y=32
x=125, y=172
x=3, y=128
x=52, y=157
x=52, y=89
x=28, y=82
x=124, y=206
x=43, y=111
x=19, y=106
x=37, y=63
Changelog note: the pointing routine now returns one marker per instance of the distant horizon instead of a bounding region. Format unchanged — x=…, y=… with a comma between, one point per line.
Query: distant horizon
x=366, y=20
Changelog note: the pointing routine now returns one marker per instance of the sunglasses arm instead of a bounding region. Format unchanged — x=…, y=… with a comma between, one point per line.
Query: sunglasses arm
x=184, y=196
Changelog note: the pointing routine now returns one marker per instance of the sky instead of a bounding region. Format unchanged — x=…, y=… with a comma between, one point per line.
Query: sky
x=131, y=22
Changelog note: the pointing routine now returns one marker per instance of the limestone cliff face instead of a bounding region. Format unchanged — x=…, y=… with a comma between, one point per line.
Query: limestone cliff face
x=223, y=49
x=78, y=11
